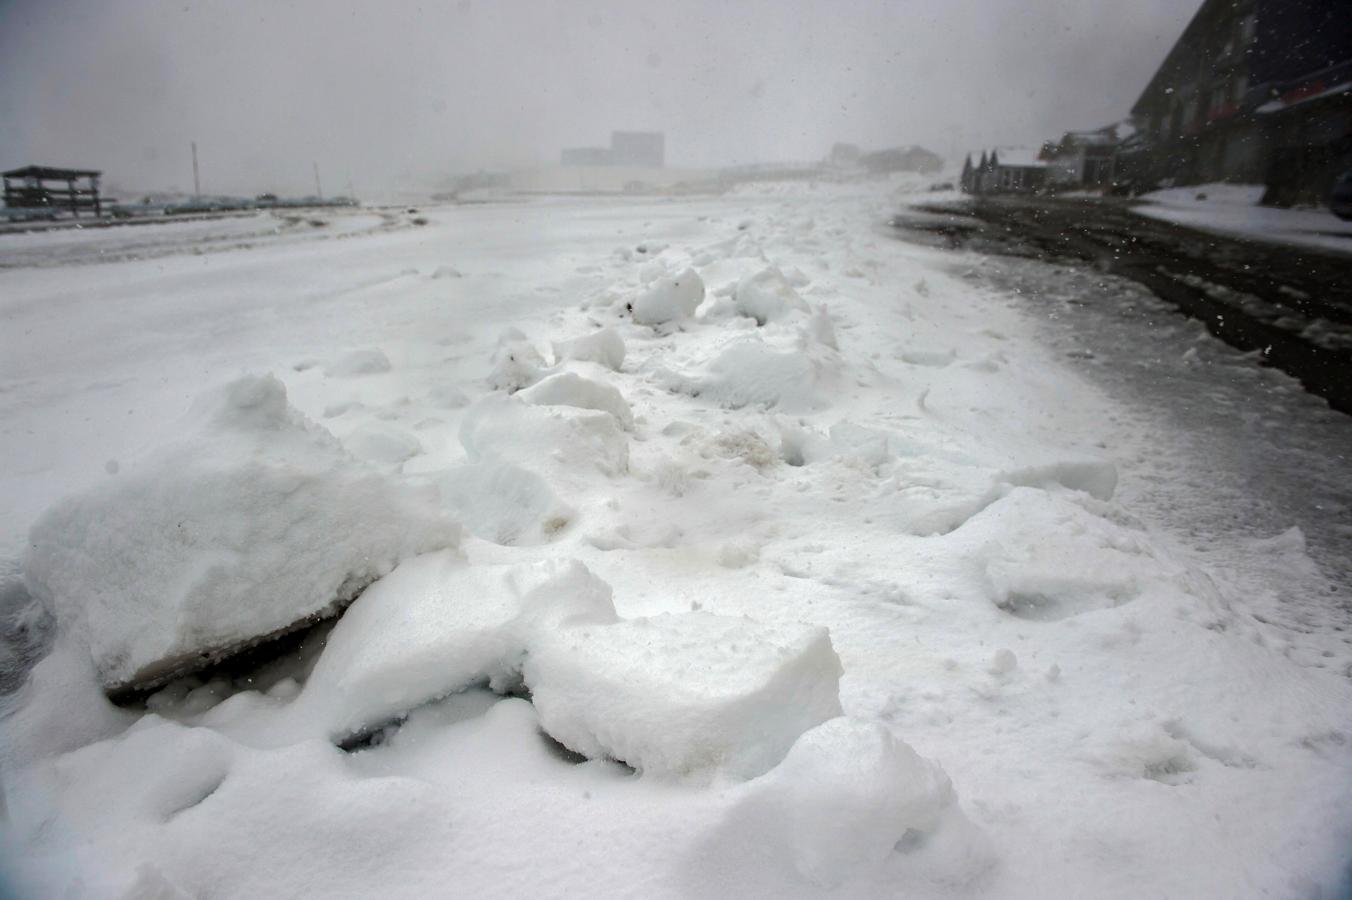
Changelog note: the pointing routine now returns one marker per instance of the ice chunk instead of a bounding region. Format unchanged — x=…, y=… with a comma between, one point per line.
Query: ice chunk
x=604, y=347
x=767, y=296
x=669, y=298
x=675, y=694
x=255, y=522
x=358, y=362
x=571, y=389
x=849, y=796
x=506, y=429
x=504, y=503
x=436, y=625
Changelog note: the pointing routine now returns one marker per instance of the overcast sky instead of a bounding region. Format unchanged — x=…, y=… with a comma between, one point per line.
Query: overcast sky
x=395, y=93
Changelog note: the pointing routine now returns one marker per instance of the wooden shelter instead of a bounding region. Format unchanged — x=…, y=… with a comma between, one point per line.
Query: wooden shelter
x=58, y=190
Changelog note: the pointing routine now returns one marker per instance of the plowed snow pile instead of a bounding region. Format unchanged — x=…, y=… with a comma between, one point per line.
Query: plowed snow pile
x=791, y=566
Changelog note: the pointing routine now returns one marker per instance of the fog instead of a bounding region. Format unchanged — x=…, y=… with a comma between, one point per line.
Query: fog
x=402, y=94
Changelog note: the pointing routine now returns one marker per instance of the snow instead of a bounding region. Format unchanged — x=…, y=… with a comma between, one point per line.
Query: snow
x=881, y=597
x=1233, y=209
x=604, y=347
x=254, y=522
x=767, y=296
x=669, y=298
x=677, y=693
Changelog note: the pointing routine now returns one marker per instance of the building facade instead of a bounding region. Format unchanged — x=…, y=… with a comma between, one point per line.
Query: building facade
x=1005, y=170
x=1256, y=91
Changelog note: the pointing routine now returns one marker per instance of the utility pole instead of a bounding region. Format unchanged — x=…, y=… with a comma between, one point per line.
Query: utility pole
x=319, y=191
x=196, y=182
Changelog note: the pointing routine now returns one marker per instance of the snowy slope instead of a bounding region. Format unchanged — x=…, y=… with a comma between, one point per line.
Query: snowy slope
x=845, y=463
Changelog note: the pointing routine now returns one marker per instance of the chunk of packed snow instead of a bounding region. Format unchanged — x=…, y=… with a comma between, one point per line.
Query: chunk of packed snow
x=849, y=796
x=752, y=373
x=604, y=347
x=571, y=389
x=253, y=523
x=669, y=298
x=509, y=430
x=516, y=363
x=504, y=503
x=358, y=362
x=675, y=694
x=767, y=296
x=436, y=625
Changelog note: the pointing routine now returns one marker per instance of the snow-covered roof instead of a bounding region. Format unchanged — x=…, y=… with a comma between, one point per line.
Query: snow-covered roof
x=1020, y=156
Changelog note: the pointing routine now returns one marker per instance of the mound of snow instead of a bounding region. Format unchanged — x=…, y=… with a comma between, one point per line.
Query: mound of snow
x=675, y=694
x=503, y=503
x=603, y=347
x=571, y=389
x=850, y=796
x=382, y=444
x=506, y=429
x=516, y=363
x=358, y=362
x=767, y=296
x=669, y=298
x=437, y=625
x=752, y=373
x=253, y=523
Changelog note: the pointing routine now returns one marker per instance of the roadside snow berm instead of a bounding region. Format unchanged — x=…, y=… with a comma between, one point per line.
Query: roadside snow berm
x=254, y=523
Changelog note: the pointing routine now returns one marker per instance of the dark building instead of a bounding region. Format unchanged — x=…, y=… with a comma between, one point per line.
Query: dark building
x=1255, y=91
x=646, y=149
x=1008, y=170
x=55, y=190
x=901, y=159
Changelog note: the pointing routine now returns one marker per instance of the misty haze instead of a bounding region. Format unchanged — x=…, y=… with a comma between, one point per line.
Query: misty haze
x=682, y=450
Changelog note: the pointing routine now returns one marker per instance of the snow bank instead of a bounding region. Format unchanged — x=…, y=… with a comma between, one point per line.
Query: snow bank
x=382, y=444
x=674, y=694
x=604, y=347
x=504, y=503
x=506, y=429
x=253, y=523
x=571, y=389
x=850, y=797
x=669, y=298
x=767, y=296
x=437, y=625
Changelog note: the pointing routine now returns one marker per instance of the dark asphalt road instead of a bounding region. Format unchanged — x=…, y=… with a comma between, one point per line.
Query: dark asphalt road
x=1291, y=305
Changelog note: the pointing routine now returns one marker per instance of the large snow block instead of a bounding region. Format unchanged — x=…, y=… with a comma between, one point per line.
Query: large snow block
x=571, y=389
x=676, y=694
x=437, y=625
x=603, y=347
x=669, y=298
x=254, y=523
x=767, y=296
x=505, y=429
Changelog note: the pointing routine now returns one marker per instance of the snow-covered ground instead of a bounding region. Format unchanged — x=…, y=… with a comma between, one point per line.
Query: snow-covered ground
x=1234, y=209
x=815, y=581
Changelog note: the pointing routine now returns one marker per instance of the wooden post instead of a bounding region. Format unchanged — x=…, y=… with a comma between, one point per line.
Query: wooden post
x=74, y=197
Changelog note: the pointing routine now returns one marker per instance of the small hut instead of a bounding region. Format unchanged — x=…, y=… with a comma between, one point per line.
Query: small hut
x=56, y=190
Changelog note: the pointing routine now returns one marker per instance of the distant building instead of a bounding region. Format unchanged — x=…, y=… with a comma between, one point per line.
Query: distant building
x=54, y=190
x=1006, y=170
x=638, y=148
x=1081, y=159
x=642, y=149
x=1254, y=91
x=902, y=159
x=844, y=155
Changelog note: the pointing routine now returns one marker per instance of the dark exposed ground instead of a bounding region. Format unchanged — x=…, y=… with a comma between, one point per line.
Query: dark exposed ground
x=1292, y=305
